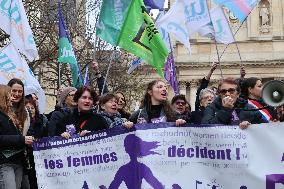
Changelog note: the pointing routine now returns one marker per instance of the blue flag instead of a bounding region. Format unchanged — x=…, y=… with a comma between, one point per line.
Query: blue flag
x=134, y=65
x=86, y=78
x=154, y=4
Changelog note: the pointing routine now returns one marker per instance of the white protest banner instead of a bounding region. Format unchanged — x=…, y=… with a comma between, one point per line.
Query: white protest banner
x=13, y=66
x=164, y=156
x=15, y=23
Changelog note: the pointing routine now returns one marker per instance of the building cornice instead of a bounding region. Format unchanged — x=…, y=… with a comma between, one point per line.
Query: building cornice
x=199, y=65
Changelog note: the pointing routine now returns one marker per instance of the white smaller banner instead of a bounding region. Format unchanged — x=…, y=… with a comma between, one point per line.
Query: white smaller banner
x=15, y=23
x=164, y=34
x=13, y=66
x=218, y=27
x=174, y=22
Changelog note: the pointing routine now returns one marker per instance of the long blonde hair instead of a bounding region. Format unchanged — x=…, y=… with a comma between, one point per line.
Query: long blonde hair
x=6, y=106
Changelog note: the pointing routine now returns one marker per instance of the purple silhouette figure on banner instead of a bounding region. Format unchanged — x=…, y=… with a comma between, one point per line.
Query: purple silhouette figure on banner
x=134, y=172
x=85, y=185
x=176, y=186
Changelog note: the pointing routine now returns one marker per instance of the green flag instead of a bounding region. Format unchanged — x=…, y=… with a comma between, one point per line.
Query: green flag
x=66, y=52
x=126, y=23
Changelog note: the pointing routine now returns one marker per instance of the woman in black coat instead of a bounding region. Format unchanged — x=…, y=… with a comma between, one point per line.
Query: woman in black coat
x=229, y=109
x=82, y=120
x=12, y=143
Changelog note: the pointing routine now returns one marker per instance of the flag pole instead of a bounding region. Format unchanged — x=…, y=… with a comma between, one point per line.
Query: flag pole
x=108, y=69
x=173, y=67
x=234, y=36
x=59, y=77
x=229, y=43
x=216, y=46
x=239, y=53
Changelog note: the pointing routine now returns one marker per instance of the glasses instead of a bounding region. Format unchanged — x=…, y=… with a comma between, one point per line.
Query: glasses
x=71, y=94
x=224, y=91
x=180, y=102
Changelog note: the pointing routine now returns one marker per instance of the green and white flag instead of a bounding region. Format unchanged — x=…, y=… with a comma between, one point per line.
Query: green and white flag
x=126, y=23
x=66, y=53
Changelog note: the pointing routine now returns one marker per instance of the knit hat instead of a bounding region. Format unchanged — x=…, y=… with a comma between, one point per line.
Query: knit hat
x=63, y=96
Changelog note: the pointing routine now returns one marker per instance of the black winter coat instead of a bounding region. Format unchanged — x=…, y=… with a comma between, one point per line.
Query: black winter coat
x=215, y=113
x=196, y=116
x=203, y=85
x=56, y=117
x=82, y=121
x=10, y=139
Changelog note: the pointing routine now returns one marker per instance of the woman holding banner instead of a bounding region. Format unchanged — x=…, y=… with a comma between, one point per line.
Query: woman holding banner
x=82, y=120
x=12, y=143
x=38, y=129
x=109, y=111
x=18, y=106
x=155, y=108
x=64, y=106
x=229, y=109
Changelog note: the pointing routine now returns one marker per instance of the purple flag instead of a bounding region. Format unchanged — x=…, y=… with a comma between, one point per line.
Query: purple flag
x=155, y=4
x=170, y=73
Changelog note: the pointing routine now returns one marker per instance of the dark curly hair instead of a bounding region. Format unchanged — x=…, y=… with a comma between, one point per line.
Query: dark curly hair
x=81, y=90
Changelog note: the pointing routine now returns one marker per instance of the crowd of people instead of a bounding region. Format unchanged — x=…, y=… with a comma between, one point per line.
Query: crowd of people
x=235, y=101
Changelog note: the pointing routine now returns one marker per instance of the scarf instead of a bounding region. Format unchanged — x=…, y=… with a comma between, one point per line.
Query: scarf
x=113, y=120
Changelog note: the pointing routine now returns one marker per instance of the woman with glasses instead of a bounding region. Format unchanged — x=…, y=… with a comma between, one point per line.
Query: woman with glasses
x=206, y=97
x=181, y=107
x=229, y=109
x=82, y=119
x=251, y=90
x=155, y=107
x=64, y=106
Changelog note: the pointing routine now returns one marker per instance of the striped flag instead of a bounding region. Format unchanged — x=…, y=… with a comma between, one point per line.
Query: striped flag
x=240, y=8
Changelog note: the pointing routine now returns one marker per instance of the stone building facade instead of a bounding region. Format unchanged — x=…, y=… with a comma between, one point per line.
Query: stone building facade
x=260, y=41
